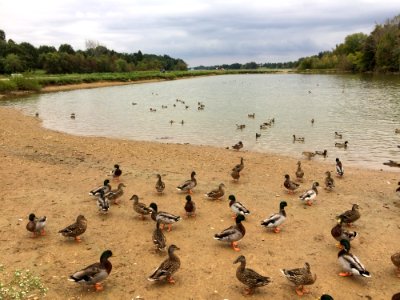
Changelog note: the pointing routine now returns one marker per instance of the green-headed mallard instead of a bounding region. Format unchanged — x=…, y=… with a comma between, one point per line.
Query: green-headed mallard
x=239, y=167
x=116, y=194
x=160, y=185
x=342, y=145
x=339, y=233
x=290, y=185
x=36, y=225
x=350, y=216
x=95, y=273
x=76, y=229
x=233, y=234
x=216, y=193
x=139, y=207
x=249, y=277
x=188, y=185
x=309, y=196
x=116, y=172
x=274, y=220
x=299, y=172
x=163, y=217
x=350, y=263
x=238, y=145
x=329, y=182
x=237, y=207
x=168, y=267
x=396, y=261
x=300, y=277
x=190, y=207
x=325, y=297
x=106, y=187
x=339, y=168
x=159, y=238
x=102, y=202
x=396, y=296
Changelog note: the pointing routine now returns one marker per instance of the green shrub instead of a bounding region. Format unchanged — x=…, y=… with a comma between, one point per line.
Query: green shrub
x=7, y=86
x=26, y=84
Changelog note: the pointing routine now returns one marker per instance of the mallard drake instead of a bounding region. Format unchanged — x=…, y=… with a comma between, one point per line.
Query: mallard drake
x=325, y=297
x=308, y=154
x=350, y=263
x=237, y=207
x=238, y=146
x=253, y=115
x=339, y=168
x=300, y=277
x=290, y=185
x=102, y=202
x=338, y=135
x=350, y=216
x=341, y=145
x=163, y=217
x=258, y=135
x=239, y=167
x=274, y=220
x=396, y=261
x=139, y=207
x=160, y=185
x=159, y=239
x=188, y=185
x=329, y=182
x=116, y=194
x=235, y=175
x=76, y=229
x=396, y=296
x=298, y=139
x=36, y=225
x=216, y=193
x=299, y=172
x=95, y=273
x=233, y=234
x=116, y=172
x=168, y=267
x=339, y=233
x=310, y=195
x=106, y=187
x=323, y=153
x=249, y=277
x=190, y=207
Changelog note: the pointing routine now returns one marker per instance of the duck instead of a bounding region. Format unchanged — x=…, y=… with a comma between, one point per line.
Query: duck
x=95, y=273
x=36, y=225
x=240, y=126
x=310, y=195
x=298, y=139
x=258, y=135
x=159, y=239
x=116, y=172
x=339, y=168
x=308, y=154
x=396, y=296
x=329, y=182
x=275, y=220
x=73, y=116
x=300, y=277
x=299, y=172
x=238, y=146
x=290, y=185
x=235, y=175
x=188, y=185
x=398, y=189
x=139, y=207
x=396, y=261
x=160, y=185
x=312, y=121
x=253, y=115
x=350, y=216
x=338, y=135
x=103, y=203
x=397, y=130
x=190, y=207
x=342, y=145
x=239, y=167
x=392, y=163
x=76, y=229
x=233, y=234
x=106, y=187
x=338, y=233
x=322, y=153
x=168, y=267
x=237, y=207
x=163, y=217
x=350, y=263
x=217, y=193
x=116, y=194
x=249, y=277
x=325, y=297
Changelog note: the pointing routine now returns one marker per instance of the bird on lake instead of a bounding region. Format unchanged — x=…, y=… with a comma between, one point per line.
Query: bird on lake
x=290, y=185
x=339, y=168
x=350, y=263
x=160, y=185
x=36, y=225
x=329, y=181
x=309, y=196
x=308, y=154
x=216, y=193
x=342, y=145
x=116, y=172
x=190, y=207
x=73, y=116
x=139, y=207
x=350, y=216
x=338, y=135
x=298, y=139
x=299, y=172
x=258, y=135
x=75, y=229
x=188, y=185
x=168, y=267
x=238, y=146
x=323, y=153
x=300, y=277
x=233, y=234
x=275, y=220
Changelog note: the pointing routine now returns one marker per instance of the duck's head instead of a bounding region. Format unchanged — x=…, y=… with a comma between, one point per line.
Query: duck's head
x=299, y=163
x=287, y=176
x=240, y=259
x=337, y=160
x=326, y=297
x=188, y=198
x=153, y=206
x=346, y=142
x=239, y=219
x=282, y=205
x=221, y=185
x=345, y=244
x=315, y=184
x=232, y=198
x=327, y=173
x=116, y=166
x=105, y=255
x=158, y=176
x=355, y=206
x=106, y=182
x=193, y=174
x=32, y=217
x=80, y=219
x=135, y=198
x=121, y=185
x=172, y=248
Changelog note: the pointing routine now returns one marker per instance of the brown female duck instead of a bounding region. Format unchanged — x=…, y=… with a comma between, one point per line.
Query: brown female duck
x=139, y=207
x=300, y=277
x=168, y=267
x=76, y=229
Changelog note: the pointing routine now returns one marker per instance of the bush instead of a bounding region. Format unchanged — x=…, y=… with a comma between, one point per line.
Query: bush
x=7, y=86
x=26, y=84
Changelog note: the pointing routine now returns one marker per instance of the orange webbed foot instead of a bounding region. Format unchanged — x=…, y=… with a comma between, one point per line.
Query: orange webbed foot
x=171, y=280
x=277, y=230
x=345, y=274
x=78, y=239
x=98, y=287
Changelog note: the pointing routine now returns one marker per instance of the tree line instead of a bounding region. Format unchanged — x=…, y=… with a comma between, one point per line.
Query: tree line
x=24, y=57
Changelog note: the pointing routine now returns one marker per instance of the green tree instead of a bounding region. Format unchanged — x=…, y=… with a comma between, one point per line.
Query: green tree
x=66, y=48
x=13, y=64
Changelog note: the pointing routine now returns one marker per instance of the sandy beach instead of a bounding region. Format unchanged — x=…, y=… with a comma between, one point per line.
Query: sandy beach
x=50, y=173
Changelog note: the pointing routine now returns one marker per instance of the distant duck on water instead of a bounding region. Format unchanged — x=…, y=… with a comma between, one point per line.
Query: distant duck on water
x=342, y=145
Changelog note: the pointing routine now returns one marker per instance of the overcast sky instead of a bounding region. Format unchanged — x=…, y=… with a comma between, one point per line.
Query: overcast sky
x=201, y=32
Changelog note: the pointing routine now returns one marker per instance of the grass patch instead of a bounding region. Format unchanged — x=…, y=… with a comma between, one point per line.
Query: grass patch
x=7, y=86
x=26, y=84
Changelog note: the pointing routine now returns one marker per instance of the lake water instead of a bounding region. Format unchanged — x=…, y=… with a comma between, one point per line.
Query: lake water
x=365, y=109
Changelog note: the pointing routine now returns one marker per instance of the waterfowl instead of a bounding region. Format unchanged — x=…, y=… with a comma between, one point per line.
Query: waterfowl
x=309, y=196
x=240, y=126
x=290, y=185
x=392, y=163
x=238, y=146
x=188, y=185
x=163, y=217
x=312, y=121
x=239, y=167
x=323, y=153
x=116, y=194
x=350, y=263
x=139, y=207
x=298, y=139
x=116, y=172
x=329, y=182
x=102, y=202
x=233, y=234
x=249, y=277
x=37, y=115
x=308, y=154
x=258, y=135
x=339, y=233
x=190, y=207
x=237, y=207
x=216, y=193
x=36, y=225
x=350, y=216
x=299, y=172
x=253, y=115
x=396, y=296
x=325, y=297
x=168, y=267
x=338, y=135
x=341, y=145
x=73, y=116
x=159, y=239
x=396, y=261
x=274, y=220
x=95, y=273
x=339, y=168
x=160, y=185
x=398, y=189
x=397, y=130
x=76, y=229
x=235, y=175
x=106, y=187
x=300, y=277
